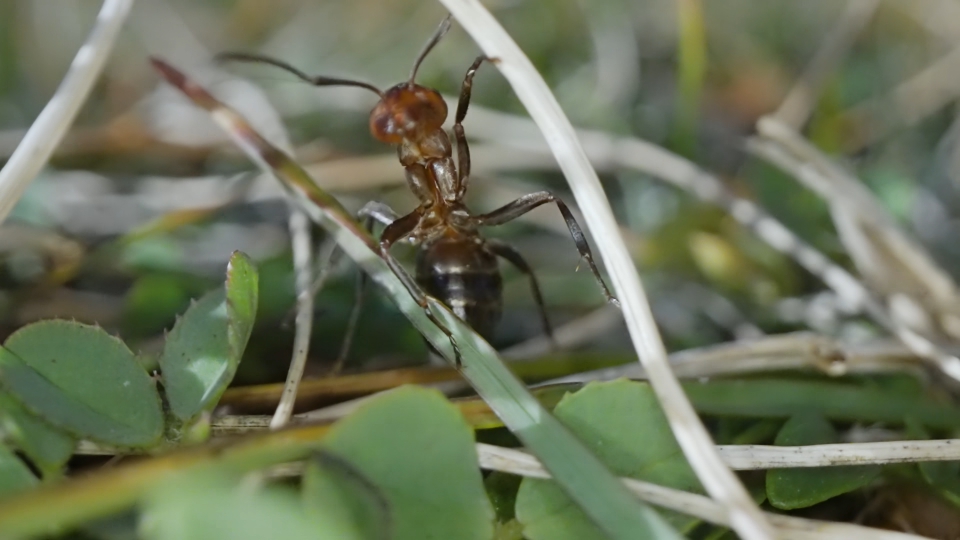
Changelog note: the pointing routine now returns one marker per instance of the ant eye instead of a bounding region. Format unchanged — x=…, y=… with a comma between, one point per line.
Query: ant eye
x=384, y=126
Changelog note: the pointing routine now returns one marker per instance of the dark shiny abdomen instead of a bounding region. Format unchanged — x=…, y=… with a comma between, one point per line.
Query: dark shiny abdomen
x=466, y=277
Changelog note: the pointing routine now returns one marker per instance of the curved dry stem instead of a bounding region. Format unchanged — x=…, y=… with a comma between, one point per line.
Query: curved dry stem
x=49, y=128
x=302, y=259
x=533, y=92
x=797, y=107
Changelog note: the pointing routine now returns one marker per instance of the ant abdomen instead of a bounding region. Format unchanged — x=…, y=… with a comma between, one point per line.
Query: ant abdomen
x=464, y=276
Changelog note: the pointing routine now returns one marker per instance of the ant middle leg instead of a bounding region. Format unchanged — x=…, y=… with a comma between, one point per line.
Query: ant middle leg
x=463, y=150
x=506, y=251
x=521, y=206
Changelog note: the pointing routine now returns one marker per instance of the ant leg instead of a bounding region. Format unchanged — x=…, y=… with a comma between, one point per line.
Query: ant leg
x=524, y=204
x=463, y=151
x=394, y=233
x=502, y=249
x=377, y=211
x=371, y=212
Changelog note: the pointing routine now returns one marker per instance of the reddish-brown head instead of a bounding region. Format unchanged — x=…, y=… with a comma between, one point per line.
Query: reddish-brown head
x=407, y=111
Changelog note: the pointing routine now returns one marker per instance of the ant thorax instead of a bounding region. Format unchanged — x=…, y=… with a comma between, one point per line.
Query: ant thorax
x=431, y=171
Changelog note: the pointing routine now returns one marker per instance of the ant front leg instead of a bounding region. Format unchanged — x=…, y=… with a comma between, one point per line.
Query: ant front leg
x=394, y=233
x=375, y=211
x=463, y=150
x=372, y=212
x=521, y=206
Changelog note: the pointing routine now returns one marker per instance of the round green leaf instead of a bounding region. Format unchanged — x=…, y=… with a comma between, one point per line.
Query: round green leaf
x=48, y=447
x=621, y=421
x=203, y=351
x=83, y=380
x=413, y=451
x=207, y=506
x=788, y=489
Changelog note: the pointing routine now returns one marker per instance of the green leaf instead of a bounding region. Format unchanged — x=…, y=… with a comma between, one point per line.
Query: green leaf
x=15, y=476
x=151, y=302
x=416, y=449
x=623, y=424
x=942, y=475
x=48, y=447
x=242, y=294
x=83, y=380
x=782, y=398
x=788, y=489
x=207, y=506
x=343, y=492
x=502, y=489
x=203, y=351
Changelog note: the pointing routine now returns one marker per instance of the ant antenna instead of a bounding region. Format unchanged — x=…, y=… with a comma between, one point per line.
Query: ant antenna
x=319, y=80
x=441, y=30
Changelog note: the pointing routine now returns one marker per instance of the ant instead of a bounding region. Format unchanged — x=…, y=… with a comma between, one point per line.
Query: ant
x=454, y=264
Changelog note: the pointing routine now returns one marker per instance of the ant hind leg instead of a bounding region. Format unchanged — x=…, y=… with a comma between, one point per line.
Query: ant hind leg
x=506, y=251
x=521, y=206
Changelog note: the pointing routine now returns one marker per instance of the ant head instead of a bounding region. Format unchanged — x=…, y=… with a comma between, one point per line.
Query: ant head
x=405, y=111
x=409, y=110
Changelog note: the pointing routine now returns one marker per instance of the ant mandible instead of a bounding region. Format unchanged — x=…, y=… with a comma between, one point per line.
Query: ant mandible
x=455, y=264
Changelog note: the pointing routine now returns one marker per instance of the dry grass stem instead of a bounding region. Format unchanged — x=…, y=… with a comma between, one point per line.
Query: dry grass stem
x=752, y=457
x=911, y=101
x=568, y=336
x=796, y=108
x=768, y=354
x=49, y=128
x=303, y=323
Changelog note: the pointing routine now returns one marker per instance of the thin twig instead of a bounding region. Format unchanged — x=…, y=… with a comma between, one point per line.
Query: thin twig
x=796, y=108
x=371, y=172
x=908, y=103
x=789, y=528
x=693, y=437
x=303, y=279
x=567, y=336
x=941, y=18
x=52, y=124
x=769, y=354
